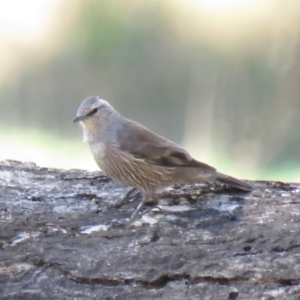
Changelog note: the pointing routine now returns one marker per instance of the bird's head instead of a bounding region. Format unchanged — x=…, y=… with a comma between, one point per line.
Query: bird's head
x=92, y=109
x=93, y=114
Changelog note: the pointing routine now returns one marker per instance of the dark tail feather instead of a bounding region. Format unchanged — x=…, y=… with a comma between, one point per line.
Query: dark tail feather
x=231, y=181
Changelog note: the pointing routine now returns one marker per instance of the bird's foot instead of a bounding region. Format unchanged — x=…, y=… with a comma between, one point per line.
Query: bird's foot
x=132, y=194
x=115, y=223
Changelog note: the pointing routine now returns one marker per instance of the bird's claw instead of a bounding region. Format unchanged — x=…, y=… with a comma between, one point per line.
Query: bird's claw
x=131, y=194
x=115, y=223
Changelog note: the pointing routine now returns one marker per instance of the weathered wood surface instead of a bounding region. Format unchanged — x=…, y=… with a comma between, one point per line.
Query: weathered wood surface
x=202, y=243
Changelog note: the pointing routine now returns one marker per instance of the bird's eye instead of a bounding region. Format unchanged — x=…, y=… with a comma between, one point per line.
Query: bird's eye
x=93, y=111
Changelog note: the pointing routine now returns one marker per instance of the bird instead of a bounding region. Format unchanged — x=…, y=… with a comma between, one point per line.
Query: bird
x=130, y=153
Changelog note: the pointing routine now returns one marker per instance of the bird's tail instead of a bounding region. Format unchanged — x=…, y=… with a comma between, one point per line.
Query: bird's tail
x=231, y=181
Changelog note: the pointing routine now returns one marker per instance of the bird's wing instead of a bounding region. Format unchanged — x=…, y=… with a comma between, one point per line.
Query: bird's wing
x=141, y=143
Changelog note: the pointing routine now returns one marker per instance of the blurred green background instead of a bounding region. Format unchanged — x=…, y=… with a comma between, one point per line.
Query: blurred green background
x=221, y=78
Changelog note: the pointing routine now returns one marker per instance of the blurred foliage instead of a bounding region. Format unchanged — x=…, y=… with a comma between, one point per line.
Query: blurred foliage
x=226, y=93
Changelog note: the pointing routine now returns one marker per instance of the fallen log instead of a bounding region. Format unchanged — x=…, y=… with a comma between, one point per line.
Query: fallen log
x=58, y=241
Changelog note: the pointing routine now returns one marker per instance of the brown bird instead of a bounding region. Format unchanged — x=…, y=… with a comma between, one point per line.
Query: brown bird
x=132, y=154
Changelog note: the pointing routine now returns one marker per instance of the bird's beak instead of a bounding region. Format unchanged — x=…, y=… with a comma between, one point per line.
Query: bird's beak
x=78, y=118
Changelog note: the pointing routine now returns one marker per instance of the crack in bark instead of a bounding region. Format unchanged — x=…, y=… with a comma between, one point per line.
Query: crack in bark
x=163, y=280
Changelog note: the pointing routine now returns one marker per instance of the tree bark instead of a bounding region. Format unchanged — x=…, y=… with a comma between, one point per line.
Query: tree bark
x=58, y=241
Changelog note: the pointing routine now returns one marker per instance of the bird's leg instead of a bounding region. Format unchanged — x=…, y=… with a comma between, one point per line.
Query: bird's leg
x=132, y=194
x=123, y=223
x=145, y=199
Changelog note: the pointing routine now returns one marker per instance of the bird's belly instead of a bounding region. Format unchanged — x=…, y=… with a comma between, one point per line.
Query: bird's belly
x=138, y=174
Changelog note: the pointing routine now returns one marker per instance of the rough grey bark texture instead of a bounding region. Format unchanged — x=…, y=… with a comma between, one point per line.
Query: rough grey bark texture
x=57, y=242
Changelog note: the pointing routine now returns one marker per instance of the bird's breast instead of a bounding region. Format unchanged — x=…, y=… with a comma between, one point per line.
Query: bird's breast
x=98, y=151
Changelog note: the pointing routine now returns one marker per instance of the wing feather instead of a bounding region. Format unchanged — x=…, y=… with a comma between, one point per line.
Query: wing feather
x=141, y=143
